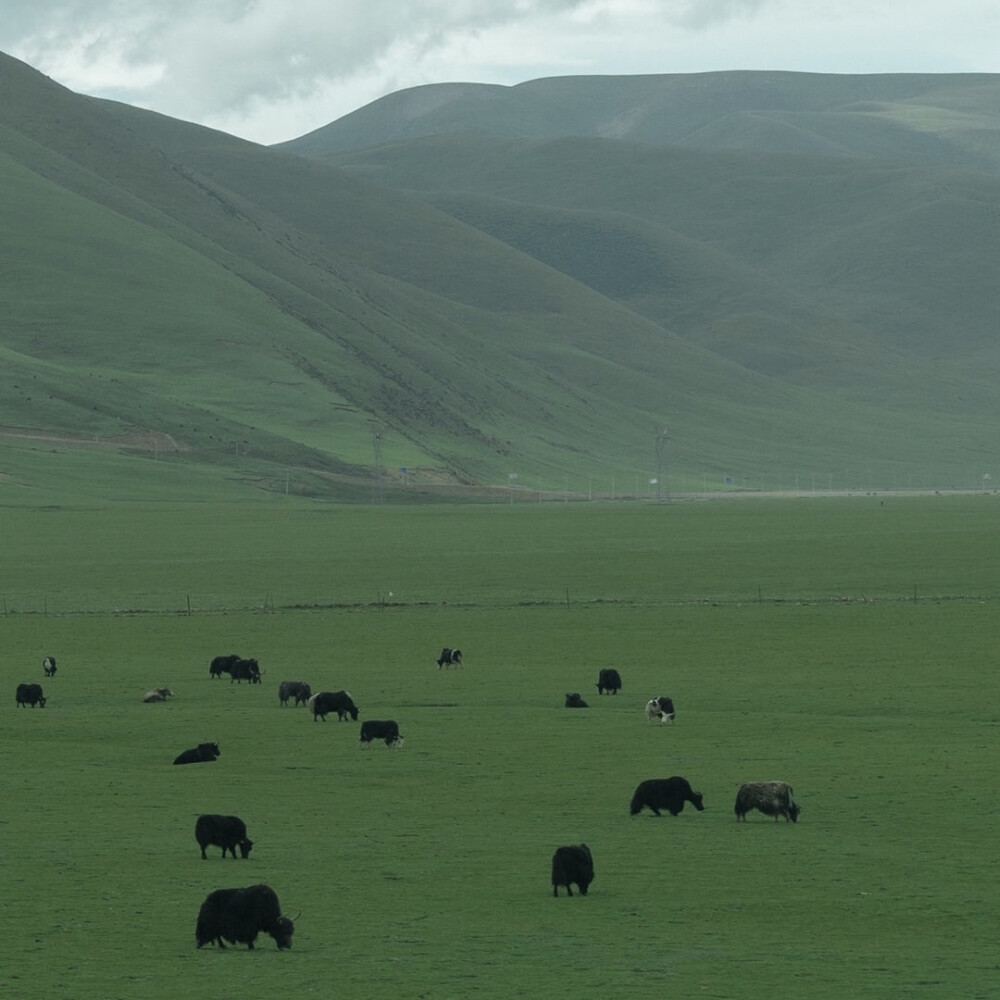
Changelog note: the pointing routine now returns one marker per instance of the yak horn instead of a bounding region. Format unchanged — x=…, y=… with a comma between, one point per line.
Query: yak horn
x=296, y=917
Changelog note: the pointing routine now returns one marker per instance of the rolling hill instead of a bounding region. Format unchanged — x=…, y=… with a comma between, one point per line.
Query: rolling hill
x=189, y=314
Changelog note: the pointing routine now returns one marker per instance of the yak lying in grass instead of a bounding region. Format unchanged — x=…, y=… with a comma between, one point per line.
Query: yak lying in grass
x=665, y=793
x=203, y=753
x=573, y=700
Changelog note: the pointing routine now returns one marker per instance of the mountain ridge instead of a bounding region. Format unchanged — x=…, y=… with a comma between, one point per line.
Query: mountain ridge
x=313, y=324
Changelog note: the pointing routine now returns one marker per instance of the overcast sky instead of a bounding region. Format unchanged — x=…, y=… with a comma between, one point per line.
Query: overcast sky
x=270, y=70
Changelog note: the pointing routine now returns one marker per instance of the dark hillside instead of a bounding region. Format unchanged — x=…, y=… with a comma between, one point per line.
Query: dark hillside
x=898, y=257
x=256, y=321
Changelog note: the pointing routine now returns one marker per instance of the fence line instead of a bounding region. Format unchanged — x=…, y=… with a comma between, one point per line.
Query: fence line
x=564, y=602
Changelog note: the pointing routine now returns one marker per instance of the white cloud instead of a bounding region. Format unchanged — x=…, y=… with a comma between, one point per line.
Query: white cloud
x=270, y=70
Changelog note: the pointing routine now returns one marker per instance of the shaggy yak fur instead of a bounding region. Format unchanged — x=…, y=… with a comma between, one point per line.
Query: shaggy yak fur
x=239, y=915
x=572, y=864
x=609, y=680
x=772, y=798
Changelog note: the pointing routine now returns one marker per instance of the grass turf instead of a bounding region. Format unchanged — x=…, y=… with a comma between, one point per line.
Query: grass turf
x=424, y=871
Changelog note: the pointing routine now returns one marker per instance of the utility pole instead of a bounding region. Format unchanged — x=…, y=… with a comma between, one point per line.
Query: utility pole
x=661, y=465
x=378, y=435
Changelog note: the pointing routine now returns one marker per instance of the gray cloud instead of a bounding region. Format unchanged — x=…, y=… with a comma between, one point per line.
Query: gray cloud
x=217, y=55
x=271, y=69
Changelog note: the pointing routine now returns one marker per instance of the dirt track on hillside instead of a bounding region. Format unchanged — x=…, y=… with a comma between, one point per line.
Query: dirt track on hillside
x=138, y=440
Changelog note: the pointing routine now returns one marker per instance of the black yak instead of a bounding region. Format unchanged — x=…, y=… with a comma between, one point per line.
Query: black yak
x=665, y=793
x=222, y=665
x=49, y=666
x=386, y=730
x=573, y=700
x=203, y=753
x=30, y=694
x=244, y=670
x=227, y=832
x=572, y=864
x=239, y=915
x=298, y=690
x=325, y=702
x=772, y=798
x=660, y=708
x=609, y=680
x=449, y=658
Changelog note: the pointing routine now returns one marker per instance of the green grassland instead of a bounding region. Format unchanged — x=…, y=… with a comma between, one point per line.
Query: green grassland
x=843, y=645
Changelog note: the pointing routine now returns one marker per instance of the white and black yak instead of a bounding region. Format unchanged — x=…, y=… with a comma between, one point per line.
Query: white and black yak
x=572, y=864
x=323, y=703
x=227, y=832
x=298, y=690
x=665, y=793
x=609, y=680
x=772, y=798
x=49, y=666
x=449, y=658
x=660, y=708
x=239, y=915
x=157, y=694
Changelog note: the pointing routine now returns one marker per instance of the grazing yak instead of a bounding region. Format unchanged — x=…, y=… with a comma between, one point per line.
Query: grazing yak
x=572, y=864
x=609, y=680
x=660, y=708
x=30, y=694
x=203, y=753
x=325, y=702
x=227, y=832
x=665, y=793
x=239, y=915
x=157, y=694
x=298, y=690
x=772, y=798
x=449, y=658
x=49, y=666
x=375, y=729
x=222, y=665
x=573, y=700
x=245, y=670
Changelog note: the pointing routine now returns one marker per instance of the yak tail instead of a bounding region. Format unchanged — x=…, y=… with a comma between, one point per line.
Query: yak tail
x=636, y=807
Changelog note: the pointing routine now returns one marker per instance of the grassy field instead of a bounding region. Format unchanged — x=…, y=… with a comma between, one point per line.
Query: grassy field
x=843, y=645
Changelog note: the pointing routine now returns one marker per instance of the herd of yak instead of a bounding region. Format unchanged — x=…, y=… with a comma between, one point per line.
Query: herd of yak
x=240, y=915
